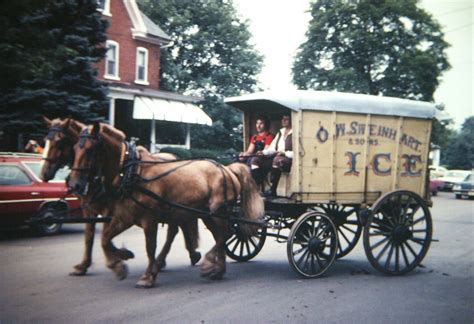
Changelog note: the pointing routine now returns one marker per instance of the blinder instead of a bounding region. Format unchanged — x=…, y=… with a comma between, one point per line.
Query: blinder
x=53, y=131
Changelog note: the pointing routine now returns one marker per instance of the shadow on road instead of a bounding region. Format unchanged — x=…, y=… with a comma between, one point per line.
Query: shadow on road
x=9, y=234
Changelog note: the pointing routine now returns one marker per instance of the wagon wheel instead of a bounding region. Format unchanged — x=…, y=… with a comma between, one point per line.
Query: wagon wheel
x=398, y=232
x=312, y=244
x=240, y=248
x=348, y=224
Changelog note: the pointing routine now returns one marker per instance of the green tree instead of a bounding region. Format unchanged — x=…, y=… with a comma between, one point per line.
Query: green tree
x=47, y=53
x=379, y=47
x=460, y=151
x=211, y=56
x=442, y=133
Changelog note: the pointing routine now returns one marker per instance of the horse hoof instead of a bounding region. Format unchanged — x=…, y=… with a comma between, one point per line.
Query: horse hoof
x=125, y=254
x=195, y=257
x=160, y=265
x=212, y=272
x=79, y=270
x=216, y=275
x=145, y=283
x=121, y=270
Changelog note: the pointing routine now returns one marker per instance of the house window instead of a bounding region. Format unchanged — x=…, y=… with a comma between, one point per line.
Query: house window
x=112, y=60
x=104, y=7
x=142, y=66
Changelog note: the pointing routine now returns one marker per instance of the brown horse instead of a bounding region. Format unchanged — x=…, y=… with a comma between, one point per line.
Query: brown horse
x=178, y=190
x=62, y=136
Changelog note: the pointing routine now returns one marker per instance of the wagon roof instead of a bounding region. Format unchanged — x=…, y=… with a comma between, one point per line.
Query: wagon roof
x=335, y=101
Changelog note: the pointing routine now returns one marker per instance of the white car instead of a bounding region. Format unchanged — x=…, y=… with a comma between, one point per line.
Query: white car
x=437, y=171
x=453, y=177
x=465, y=188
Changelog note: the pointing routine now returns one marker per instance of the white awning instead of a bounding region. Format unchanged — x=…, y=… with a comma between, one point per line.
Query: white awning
x=169, y=110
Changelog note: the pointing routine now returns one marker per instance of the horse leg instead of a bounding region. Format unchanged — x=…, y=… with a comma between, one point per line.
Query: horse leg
x=150, y=229
x=220, y=248
x=112, y=254
x=81, y=268
x=191, y=237
x=161, y=259
x=213, y=265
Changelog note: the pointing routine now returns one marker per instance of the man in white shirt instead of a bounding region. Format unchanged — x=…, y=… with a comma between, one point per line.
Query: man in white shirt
x=278, y=156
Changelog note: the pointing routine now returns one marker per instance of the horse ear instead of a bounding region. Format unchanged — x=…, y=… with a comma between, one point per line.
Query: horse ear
x=67, y=123
x=95, y=128
x=47, y=121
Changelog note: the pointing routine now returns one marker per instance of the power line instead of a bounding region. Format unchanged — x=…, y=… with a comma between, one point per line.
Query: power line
x=453, y=11
x=458, y=28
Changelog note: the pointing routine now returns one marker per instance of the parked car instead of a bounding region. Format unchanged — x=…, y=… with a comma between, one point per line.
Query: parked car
x=453, y=177
x=437, y=171
x=23, y=196
x=435, y=186
x=465, y=188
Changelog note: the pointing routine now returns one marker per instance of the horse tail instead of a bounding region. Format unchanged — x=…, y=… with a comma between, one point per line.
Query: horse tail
x=252, y=206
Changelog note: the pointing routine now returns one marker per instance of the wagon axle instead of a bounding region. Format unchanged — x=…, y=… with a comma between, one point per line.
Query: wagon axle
x=316, y=245
x=401, y=233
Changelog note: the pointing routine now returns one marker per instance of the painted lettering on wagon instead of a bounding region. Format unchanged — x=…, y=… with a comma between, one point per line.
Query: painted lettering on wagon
x=355, y=129
x=381, y=164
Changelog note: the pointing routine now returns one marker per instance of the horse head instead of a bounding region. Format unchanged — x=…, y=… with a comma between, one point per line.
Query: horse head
x=59, y=142
x=96, y=158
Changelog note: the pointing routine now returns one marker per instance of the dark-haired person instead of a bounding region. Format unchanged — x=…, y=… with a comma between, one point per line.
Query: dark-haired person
x=259, y=141
x=278, y=157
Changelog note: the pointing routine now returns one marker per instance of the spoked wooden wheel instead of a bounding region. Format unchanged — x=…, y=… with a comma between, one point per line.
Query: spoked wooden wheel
x=240, y=248
x=312, y=244
x=398, y=232
x=348, y=224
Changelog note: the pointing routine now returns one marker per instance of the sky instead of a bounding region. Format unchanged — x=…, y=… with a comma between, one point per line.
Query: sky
x=279, y=26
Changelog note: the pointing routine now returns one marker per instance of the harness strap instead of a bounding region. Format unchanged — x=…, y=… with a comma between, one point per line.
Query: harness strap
x=166, y=201
x=164, y=174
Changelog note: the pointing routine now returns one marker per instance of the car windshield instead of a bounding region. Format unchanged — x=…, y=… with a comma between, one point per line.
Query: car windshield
x=36, y=168
x=470, y=178
x=456, y=174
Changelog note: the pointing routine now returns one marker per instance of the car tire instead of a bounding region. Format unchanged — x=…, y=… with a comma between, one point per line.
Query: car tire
x=458, y=196
x=45, y=212
x=434, y=193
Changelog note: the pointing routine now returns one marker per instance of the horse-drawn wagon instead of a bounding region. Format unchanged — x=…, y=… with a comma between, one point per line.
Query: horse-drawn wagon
x=360, y=167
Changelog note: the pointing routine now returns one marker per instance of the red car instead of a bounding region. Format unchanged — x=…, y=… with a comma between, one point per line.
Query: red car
x=23, y=196
x=435, y=186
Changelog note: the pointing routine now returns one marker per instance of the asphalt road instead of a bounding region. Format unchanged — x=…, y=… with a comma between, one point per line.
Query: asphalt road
x=35, y=286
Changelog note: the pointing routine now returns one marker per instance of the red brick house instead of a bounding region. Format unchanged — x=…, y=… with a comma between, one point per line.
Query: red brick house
x=132, y=69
